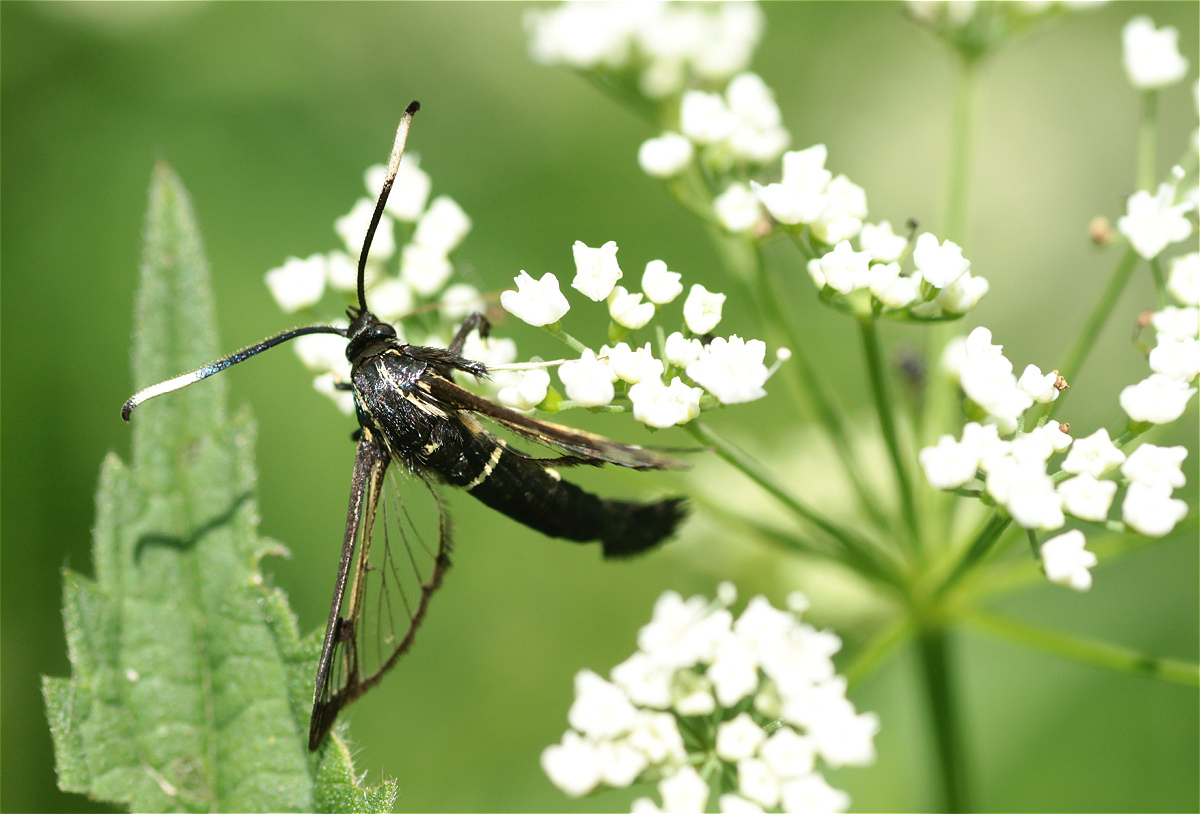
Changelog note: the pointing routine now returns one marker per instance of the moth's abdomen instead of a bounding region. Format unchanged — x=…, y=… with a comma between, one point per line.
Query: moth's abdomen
x=539, y=498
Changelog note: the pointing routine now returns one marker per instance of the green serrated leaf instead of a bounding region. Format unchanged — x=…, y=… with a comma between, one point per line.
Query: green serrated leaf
x=190, y=686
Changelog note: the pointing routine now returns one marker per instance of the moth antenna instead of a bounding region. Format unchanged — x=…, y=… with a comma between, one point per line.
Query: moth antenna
x=393, y=166
x=170, y=385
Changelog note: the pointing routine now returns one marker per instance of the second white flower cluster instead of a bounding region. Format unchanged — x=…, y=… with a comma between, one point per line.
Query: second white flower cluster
x=707, y=696
x=732, y=370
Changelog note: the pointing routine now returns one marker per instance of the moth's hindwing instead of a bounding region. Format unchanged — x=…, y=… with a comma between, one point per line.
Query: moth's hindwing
x=396, y=552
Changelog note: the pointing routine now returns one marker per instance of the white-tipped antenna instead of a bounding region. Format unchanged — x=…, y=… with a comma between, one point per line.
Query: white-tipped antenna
x=393, y=166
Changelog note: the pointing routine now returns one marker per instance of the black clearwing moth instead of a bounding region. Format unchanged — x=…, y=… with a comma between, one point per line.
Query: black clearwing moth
x=411, y=412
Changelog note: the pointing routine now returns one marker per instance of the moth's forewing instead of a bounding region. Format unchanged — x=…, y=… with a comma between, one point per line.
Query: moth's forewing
x=395, y=552
x=568, y=439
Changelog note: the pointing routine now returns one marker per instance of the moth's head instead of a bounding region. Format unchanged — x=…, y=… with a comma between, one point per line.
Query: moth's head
x=368, y=335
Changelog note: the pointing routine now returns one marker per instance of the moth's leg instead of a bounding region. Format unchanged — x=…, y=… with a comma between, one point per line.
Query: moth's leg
x=476, y=320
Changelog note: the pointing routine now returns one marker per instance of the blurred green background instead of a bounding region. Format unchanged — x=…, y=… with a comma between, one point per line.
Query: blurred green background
x=271, y=112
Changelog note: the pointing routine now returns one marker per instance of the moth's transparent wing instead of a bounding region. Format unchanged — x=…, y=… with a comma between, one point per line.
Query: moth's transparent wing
x=395, y=551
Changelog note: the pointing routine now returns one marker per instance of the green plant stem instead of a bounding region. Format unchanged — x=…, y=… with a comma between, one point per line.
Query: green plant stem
x=934, y=645
x=962, y=129
x=859, y=551
x=877, y=649
x=1095, y=322
x=808, y=388
x=1147, y=141
x=1085, y=651
x=883, y=408
x=979, y=547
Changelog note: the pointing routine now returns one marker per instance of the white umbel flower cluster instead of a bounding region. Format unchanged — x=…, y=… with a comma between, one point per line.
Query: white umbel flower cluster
x=424, y=274
x=668, y=45
x=939, y=287
x=1151, y=56
x=662, y=390
x=1162, y=396
x=1016, y=471
x=1153, y=222
x=722, y=680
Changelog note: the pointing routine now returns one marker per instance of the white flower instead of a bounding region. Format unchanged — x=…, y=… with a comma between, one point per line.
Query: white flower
x=1151, y=465
x=601, y=709
x=537, y=302
x=1178, y=323
x=1151, y=57
x=846, y=206
x=846, y=739
x=1157, y=399
x=392, y=299
x=1066, y=562
x=737, y=208
x=749, y=97
x=757, y=782
x=1053, y=432
x=660, y=285
x=596, y=270
x=948, y=465
x=1095, y=454
x=352, y=229
x=680, y=351
x=684, y=792
x=644, y=805
x=443, y=226
x=705, y=118
x=665, y=156
x=491, y=351
x=788, y=754
x=298, y=283
x=962, y=295
x=987, y=379
x=588, y=380
x=891, y=289
x=1152, y=222
x=656, y=735
x=460, y=301
x=811, y=794
x=645, y=680
x=1151, y=510
x=410, y=189
x=681, y=633
x=846, y=270
x=1040, y=388
x=580, y=35
x=733, y=804
x=572, y=765
x=799, y=197
x=343, y=271
x=939, y=265
x=738, y=738
x=620, y=763
x=627, y=309
x=732, y=369
x=881, y=242
x=527, y=393
x=702, y=309
x=323, y=353
x=634, y=364
x=425, y=270
x=733, y=672
x=662, y=406
x=1177, y=358
x=1032, y=501
x=1184, y=282
x=1087, y=498
x=326, y=385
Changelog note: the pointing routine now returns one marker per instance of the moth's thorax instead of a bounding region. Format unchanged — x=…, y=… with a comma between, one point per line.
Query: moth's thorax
x=392, y=397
